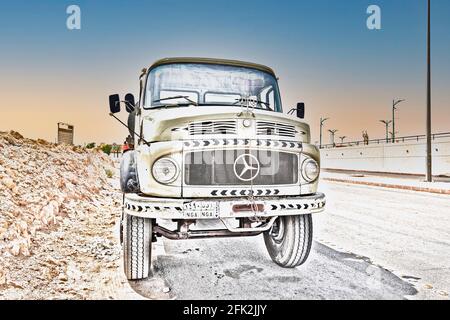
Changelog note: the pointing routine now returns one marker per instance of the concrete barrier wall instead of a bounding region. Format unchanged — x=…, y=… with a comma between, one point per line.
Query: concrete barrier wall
x=403, y=157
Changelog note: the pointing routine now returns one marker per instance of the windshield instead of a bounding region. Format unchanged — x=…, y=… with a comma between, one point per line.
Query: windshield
x=182, y=84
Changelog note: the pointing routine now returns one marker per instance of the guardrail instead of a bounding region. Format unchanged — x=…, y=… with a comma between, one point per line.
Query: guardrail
x=386, y=141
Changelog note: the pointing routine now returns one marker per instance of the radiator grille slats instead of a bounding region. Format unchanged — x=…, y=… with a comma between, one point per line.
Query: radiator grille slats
x=213, y=127
x=266, y=128
x=275, y=129
x=218, y=168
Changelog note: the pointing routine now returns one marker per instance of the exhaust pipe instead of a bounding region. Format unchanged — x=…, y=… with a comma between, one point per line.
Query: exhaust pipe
x=200, y=234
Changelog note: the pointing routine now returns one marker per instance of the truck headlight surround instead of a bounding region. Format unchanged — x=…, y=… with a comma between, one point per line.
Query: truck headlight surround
x=165, y=170
x=310, y=170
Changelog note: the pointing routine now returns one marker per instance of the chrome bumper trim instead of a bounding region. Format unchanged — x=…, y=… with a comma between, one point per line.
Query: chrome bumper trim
x=166, y=208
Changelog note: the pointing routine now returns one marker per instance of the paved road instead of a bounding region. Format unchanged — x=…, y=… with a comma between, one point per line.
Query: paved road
x=372, y=243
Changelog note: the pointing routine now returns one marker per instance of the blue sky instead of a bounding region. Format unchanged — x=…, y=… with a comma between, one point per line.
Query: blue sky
x=321, y=50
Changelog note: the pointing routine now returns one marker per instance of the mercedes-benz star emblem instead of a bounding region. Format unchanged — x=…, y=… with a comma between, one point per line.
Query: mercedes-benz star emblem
x=246, y=167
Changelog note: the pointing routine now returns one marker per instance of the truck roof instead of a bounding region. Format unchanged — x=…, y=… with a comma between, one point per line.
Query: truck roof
x=236, y=63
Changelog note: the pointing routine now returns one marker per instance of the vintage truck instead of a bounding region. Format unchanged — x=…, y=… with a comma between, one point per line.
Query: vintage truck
x=211, y=141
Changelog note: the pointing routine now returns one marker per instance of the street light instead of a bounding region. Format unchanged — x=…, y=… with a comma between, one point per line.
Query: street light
x=386, y=122
x=342, y=139
x=333, y=132
x=429, y=160
x=394, y=107
x=321, y=125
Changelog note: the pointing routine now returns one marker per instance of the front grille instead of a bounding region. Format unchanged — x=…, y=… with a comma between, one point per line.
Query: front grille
x=217, y=167
x=213, y=127
x=275, y=129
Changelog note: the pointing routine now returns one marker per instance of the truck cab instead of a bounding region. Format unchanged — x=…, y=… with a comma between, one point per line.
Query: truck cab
x=211, y=142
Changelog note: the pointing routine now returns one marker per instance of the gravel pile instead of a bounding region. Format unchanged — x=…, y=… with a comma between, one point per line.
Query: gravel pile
x=58, y=212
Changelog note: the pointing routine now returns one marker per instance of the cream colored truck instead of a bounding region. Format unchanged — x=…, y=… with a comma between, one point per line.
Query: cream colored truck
x=211, y=142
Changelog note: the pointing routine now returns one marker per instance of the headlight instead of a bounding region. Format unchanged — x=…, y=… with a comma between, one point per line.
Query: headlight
x=165, y=170
x=310, y=170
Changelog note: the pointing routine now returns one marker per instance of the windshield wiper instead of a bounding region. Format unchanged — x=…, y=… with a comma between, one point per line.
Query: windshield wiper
x=241, y=102
x=173, y=105
x=177, y=97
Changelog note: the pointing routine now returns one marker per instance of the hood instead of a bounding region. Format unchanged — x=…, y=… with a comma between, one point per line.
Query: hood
x=173, y=123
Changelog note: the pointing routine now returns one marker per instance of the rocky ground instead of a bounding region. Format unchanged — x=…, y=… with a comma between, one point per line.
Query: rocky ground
x=58, y=222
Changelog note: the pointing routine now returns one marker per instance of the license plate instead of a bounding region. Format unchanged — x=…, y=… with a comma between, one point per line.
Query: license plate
x=201, y=210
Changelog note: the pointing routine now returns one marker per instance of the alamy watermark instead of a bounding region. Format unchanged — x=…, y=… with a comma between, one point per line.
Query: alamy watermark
x=73, y=21
x=374, y=20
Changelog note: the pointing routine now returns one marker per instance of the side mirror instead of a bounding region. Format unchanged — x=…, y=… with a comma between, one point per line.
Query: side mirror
x=129, y=105
x=301, y=110
x=114, y=103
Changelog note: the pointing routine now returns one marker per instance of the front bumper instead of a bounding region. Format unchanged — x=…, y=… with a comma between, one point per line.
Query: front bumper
x=167, y=208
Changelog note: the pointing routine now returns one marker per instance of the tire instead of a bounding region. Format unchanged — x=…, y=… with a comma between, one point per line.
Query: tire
x=289, y=240
x=137, y=247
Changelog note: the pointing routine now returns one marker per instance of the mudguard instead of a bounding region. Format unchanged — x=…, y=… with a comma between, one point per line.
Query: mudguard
x=129, y=181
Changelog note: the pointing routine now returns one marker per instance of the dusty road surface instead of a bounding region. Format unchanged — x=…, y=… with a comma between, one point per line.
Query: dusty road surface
x=371, y=243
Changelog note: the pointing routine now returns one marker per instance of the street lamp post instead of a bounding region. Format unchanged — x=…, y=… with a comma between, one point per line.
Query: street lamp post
x=386, y=122
x=429, y=160
x=394, y=107
x=342, y=139
x=332, y=132
x=321, y=125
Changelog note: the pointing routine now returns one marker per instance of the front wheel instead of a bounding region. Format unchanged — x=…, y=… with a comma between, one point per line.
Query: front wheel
x=137, y=247
x=289, y=240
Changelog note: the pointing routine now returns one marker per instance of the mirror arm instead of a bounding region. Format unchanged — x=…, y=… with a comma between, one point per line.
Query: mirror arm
x=146, y=142
x=129, y=104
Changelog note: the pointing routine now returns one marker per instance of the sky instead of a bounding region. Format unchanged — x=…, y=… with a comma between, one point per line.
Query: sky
x=321, y=50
